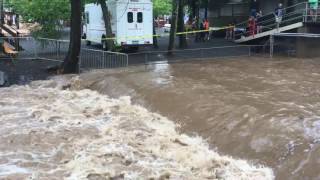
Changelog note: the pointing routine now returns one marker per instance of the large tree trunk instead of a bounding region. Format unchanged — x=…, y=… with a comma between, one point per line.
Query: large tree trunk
x=70, y=63
x=181, y=28
x=2, y=12
x=155, y=39
x=206, y=5
x=107, y=24
x=198, y=20
x=173, y=30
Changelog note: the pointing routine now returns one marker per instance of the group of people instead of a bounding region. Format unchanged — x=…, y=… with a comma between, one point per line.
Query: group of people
x=204, y=29
x=255, y=19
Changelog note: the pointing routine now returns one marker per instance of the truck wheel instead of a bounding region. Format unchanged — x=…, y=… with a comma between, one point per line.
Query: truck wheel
x=84, y=36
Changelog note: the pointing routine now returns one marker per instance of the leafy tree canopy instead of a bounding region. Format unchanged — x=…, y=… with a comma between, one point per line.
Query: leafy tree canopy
x=162, y=7
x=48, y=13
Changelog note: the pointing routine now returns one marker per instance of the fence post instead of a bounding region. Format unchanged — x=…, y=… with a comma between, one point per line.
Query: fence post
x=79, y=62
x=271, y=45
x=127, y=60
x=249, y=50
x=57, y=49
x=103, y=61
x=305, y=19
x=35, y=48
x=145, y=60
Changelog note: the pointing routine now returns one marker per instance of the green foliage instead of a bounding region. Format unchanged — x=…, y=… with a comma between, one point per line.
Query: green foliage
x=162, y=7
x=47, y=13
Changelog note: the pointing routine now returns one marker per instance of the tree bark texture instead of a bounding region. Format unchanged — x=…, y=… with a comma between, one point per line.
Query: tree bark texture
x=181, y=27
x=70, y=63
x=107, y=24
x=173, y=29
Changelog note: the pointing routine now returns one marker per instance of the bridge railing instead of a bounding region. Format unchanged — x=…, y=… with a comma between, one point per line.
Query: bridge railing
x=291, y=15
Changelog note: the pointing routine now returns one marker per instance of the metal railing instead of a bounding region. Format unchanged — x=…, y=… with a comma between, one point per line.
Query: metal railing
x=293, y=14
x=286, y=43
x=56, y=50
x=97, y=59
x=51, y=49
x=210, y=53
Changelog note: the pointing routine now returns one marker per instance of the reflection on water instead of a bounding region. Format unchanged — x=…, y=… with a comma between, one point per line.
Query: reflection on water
x=264, y=110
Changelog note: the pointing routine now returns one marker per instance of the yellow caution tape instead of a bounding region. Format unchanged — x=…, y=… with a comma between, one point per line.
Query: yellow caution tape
x=168, y=34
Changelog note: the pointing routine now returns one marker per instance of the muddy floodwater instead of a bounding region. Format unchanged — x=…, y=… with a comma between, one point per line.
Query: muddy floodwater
x=265, y=111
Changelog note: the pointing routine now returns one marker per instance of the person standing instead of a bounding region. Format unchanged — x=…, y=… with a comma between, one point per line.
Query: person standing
x=259, y=22
x=202, y=31
x=252, y=26
x=314, y=5
x=254, y=8
x=207, y=28
x=278, y=15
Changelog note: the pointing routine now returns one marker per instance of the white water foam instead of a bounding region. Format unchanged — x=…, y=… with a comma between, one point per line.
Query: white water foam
x=48, y=132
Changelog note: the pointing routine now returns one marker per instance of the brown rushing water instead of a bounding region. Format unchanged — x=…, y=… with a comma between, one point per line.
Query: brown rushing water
x=266, y=111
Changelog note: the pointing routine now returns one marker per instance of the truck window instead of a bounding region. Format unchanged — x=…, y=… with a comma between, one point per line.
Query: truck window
x=87, y=17
x=130, y=17
x=140, y=17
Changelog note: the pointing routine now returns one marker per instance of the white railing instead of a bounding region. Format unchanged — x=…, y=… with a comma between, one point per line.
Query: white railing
x=300, y=12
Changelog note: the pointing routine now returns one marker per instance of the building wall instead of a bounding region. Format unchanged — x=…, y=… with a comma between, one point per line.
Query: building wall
x=268, y=6
x=308, y=47
x=223, y=14
x=238, y=10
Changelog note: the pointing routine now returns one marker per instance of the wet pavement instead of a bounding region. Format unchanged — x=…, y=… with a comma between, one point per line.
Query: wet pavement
x=24, y=71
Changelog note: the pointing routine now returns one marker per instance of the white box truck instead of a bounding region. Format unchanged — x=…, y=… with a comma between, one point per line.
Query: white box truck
x=131, y=21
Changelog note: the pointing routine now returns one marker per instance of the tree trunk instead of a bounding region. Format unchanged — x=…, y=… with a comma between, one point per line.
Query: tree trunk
x=107, y=24
x=70, y=64
x=206, y=5
x=193, y=8
x=155, y=39
x=2, y=12
x=181, y=28
x=173, y=29
x=197, y=13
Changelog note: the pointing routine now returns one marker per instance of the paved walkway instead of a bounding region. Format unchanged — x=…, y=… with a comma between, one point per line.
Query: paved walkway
x=24, y=71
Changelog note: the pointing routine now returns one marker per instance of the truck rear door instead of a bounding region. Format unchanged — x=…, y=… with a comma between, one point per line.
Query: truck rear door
x=135, y=35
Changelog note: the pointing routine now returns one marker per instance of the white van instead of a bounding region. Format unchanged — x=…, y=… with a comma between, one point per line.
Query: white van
x=132, y=23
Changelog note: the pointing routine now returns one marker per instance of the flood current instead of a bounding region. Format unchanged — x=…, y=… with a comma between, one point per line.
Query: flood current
x=265, y=111
x=192, y=120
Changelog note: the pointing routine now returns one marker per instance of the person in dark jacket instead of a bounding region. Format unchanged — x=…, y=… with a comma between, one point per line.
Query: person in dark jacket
x=254, y=8
x=279, y=12
x=202, y=33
